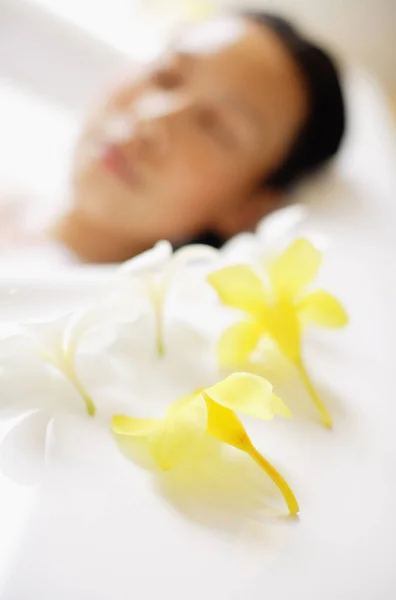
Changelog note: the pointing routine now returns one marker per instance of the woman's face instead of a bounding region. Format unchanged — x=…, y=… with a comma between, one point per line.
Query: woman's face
x=182, y=149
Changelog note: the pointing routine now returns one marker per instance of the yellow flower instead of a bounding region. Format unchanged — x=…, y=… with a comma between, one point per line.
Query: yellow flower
x=278, y=306
x=211, y=412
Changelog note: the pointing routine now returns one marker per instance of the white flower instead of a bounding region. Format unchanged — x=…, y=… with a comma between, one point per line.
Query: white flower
x=42, y=388
x=43, y=379
x=157, y=342
x=32, y=394
x=57, y=341
x=148, y=281
x=273, y=234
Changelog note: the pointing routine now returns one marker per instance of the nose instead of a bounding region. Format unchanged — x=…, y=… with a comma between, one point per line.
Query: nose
x=147, y=122
x=154, y=105
x=154, y=116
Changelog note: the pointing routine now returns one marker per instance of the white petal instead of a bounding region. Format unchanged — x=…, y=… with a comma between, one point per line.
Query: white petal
x=48, y=335
x=240, y=249
x=135, y=341
x=16, y=346
x=113, y=359
x=80, y=324
x=34, y=384
x=28, y=382
x=194, y=253
x=190, y=355
x=281, y=225
x=127, y=299
x=148, y=262
x=23, y=449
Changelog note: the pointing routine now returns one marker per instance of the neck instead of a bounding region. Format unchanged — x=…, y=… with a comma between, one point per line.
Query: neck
x=93, y=242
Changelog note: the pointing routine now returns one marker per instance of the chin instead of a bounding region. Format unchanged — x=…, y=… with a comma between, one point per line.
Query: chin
x=96, y=195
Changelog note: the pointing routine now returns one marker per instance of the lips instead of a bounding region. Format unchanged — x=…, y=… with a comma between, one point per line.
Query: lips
x=114, y=159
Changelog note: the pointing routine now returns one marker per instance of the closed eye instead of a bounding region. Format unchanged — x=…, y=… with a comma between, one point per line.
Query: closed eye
x=212, y=124
x=171, y=73
x=166, y=78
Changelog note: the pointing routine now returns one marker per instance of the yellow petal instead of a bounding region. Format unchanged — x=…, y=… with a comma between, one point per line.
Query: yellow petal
x=295, y=268
x=322, y=309
x=224, y=425
x=238, y=342
x=175, y=408
x=284, y=328
x=239, y=287
x=178, y=434
x=248, y=394
x=279, y=407
x=134, y=427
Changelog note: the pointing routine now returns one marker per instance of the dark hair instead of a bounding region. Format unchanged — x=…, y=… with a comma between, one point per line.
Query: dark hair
x=322, y=132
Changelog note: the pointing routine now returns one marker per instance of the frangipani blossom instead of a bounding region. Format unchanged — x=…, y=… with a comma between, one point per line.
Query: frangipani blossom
x=39, y=372
x=33, y=395
x=155, y=270
x=147, y=331
x=137, y=373
x=273, y=234
x=277, y=305
x=211, y=411
x=42, y=388
x=57, y=342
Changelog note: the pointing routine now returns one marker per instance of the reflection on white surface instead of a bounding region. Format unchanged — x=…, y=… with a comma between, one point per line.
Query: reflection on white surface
x=17, y=502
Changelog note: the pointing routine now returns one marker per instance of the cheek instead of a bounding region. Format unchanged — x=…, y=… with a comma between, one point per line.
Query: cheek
x=99, y=196
x=187, y=199
x=203, y=177
x=180, y=196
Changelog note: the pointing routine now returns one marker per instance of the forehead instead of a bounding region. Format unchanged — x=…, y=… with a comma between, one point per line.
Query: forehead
x=235, y=55
x=212, y=37
x=244, y=48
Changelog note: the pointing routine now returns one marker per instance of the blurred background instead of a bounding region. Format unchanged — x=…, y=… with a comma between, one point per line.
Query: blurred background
x=56, y=54
x=362, y=31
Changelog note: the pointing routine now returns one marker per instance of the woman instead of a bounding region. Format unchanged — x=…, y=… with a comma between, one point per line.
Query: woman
x=203, y=144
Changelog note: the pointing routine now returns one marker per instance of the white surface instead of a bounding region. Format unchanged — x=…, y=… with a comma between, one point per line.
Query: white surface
x=359, y=30
x=98, y=528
